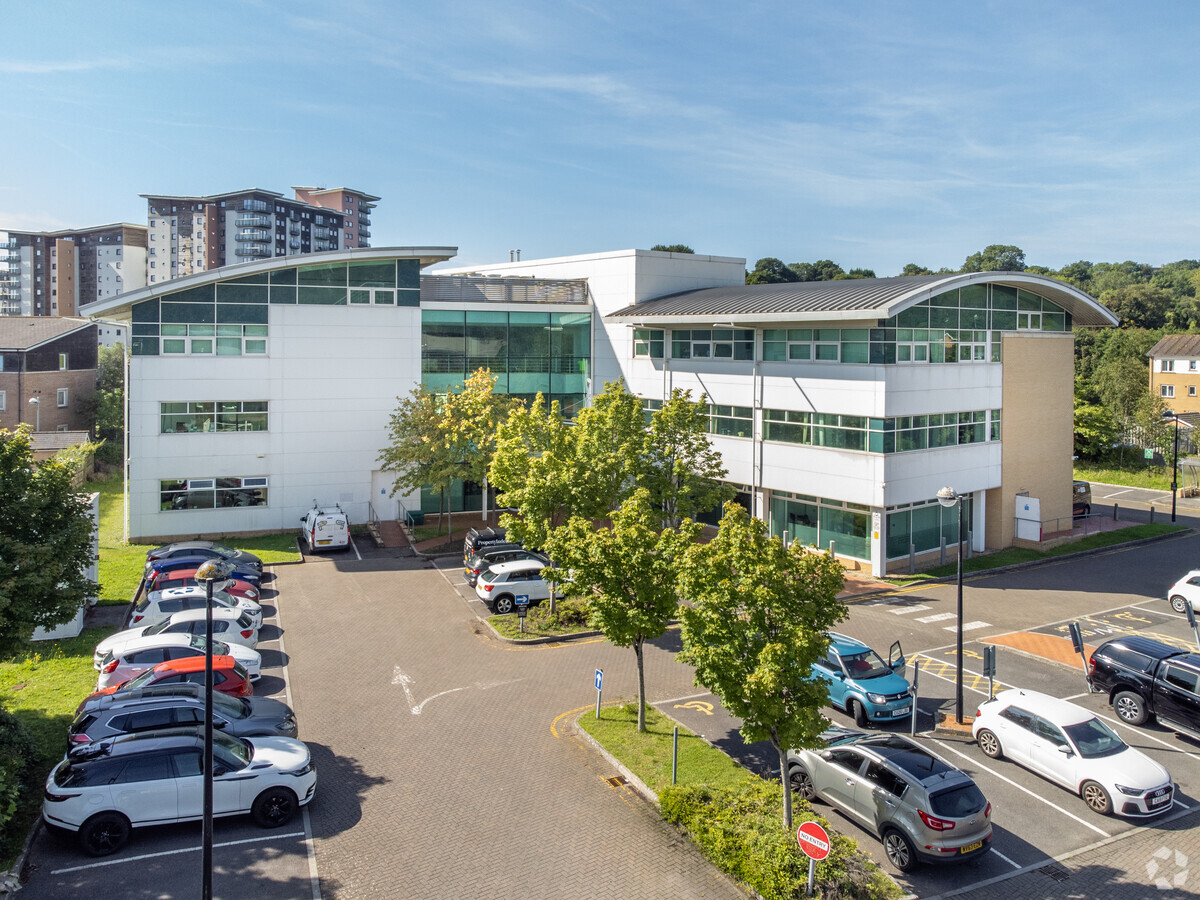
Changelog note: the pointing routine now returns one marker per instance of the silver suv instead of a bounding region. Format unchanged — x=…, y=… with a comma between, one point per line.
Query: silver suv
x=920, y=806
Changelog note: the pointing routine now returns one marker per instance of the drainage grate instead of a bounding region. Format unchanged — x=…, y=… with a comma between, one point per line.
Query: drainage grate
x=1058, y=873
x=617, y=780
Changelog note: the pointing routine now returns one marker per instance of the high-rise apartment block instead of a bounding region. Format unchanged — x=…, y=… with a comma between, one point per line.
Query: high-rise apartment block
x=356, y=206
x=53, y=273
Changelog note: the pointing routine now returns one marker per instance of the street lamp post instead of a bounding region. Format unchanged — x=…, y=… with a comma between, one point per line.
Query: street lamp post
x=37, y=407
x=948, y=497
x=1170, y=414
x=210, y=571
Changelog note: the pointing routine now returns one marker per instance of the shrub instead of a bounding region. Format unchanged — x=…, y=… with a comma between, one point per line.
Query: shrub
x=739, y=830
x=18, y=781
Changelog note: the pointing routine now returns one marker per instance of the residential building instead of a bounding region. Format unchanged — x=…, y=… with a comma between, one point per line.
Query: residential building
x=840, y=408
x=1175, y=372
x=54, y=273
x=47, y=372
x=355, y=205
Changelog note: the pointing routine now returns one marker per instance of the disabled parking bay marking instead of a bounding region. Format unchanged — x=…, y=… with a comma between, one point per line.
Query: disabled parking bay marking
x=946, y=669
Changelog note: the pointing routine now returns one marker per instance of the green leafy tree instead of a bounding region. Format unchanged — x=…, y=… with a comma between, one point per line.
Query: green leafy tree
x=1139, y=305
x=416, y=450
x=770, y=270
x=1077, y=273
x=996, y=258
x=1095, y=431
x=626, y=572
x=757, y=621
x=105, y=410
x=1120, y=386
x=471, y=418
x=673, y=248
x=682, y=470
x=821, y=270
x=609, y=438
x=45, y=542
x=914, y=269
x=857, y=273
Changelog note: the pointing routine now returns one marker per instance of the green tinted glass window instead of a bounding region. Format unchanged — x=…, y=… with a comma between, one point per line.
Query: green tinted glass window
x=373, y=274
x=325, y=275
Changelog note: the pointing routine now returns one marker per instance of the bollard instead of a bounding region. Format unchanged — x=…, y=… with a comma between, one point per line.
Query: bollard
x=943, y=559
x=970, y=538
x=912, y=558
x=832, y=548
x=675, y=755
x=1151, y=513
x=1115, y=508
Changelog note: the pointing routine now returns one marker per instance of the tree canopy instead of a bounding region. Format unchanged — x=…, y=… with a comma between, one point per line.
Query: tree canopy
x=673, y=248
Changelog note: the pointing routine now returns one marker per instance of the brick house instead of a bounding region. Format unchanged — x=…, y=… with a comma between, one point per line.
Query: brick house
x=51, y=360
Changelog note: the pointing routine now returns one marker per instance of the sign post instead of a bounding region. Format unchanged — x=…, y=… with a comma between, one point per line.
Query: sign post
x=814, y=841
x=912, y=723
x=989, y=668
x=599, y=689
x=522, y=603
x=1077, y=644
x=1191, y=618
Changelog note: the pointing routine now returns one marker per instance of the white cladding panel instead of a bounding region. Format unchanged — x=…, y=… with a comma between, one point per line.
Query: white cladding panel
x=824, y=472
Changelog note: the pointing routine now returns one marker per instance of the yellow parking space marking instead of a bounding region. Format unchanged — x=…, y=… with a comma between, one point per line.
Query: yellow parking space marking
x=947, y=669
x=698, y=705
x=1092, y=626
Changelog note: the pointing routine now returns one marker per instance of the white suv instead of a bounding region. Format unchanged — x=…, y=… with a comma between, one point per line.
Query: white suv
x=135, y=656
x=159, y=605
x=499, y=586
x=105, y=788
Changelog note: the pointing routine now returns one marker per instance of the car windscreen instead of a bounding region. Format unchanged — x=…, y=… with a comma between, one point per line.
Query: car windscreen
x=158, y=628
x=957, y=802
x=1093, y=738
x=140, y=680
x=867, y=664
x=219, y=648
x=232, y=751
x=234, y=707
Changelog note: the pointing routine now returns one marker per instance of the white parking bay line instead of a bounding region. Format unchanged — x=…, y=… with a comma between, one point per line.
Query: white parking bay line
x=1141, y=732
x=905, y=610
x=940, y=617
x=970, y=626
x=129, y=859
x=973, y=762
x=996, y=852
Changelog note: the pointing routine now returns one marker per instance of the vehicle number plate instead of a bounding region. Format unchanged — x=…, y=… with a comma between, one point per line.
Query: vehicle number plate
x=1159, y=801
x=903, y=711
x=969, y=847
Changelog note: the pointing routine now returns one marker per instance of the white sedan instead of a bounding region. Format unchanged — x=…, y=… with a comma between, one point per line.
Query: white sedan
x=231, y=626
x=120, y=664
x=1066, y=744
x=1186, y=590
x=159, y=605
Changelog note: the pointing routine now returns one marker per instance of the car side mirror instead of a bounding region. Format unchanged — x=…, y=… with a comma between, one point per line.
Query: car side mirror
x=1065, y=750
x=218, y=723
x=218, y=771
x=827, y=755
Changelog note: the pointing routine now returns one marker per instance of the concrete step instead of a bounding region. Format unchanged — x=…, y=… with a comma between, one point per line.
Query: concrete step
x=392, y=534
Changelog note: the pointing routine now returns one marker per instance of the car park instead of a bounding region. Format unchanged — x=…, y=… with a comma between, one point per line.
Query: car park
x=862, y=684
x=487, y=557
x=1069, y=746
x=206, y=550
x=165, y=706
x=1185, y=592
x=229, y=677
x=177, y=563
x=923, y=808
x=233, y=626
x=164, y=581
x=155, y=607
x=104, y=789
x=1147, y=679
x=130, y=659
x=501, y=585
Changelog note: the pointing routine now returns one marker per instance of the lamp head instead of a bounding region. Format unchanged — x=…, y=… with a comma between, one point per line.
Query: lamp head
x=214, y=570
x=947, y=497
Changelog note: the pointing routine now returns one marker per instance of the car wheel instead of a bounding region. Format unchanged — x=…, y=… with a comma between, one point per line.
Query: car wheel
x=274, y=807
x=504, y=604
x=859, y=712
x=802, y=783
x=104, y=833
x=1096, y=797
x=989, y=744
x=1130, y=707
x=899, y=850
x=1179, y=604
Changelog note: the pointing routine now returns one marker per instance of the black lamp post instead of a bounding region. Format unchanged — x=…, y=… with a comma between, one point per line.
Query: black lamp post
x=948, y=497
x=1170, y=414
x=209, y=571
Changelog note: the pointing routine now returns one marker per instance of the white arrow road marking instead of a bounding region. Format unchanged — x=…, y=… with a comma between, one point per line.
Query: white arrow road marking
x=406, y=682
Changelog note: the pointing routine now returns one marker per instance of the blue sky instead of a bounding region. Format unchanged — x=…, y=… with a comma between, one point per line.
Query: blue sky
x=873, y=134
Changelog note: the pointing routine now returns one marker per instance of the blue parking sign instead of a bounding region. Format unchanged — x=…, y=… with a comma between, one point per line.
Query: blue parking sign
x=599, y=679
x=521, y=599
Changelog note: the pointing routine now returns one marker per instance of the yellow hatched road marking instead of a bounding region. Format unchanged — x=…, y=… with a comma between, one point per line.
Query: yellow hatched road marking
x=946, y=668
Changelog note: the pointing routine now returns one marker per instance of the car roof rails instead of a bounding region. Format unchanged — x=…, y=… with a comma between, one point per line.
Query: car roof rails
x=90, y=750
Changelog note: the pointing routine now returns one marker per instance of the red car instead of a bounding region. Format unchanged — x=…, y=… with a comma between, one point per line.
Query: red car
x=161, y=581
x=229, y=677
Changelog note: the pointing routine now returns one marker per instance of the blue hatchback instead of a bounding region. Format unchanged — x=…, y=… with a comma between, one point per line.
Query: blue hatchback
x=862, y=684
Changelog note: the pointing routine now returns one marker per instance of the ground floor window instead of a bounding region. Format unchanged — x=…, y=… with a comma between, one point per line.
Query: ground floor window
x=924, y=525
x=815, y=520
x=212, y=493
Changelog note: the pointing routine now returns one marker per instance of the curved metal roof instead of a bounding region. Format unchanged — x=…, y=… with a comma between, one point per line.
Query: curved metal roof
x=858, y=299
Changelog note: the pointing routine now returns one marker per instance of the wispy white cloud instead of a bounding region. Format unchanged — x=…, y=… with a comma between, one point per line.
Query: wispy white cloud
x=58, y=66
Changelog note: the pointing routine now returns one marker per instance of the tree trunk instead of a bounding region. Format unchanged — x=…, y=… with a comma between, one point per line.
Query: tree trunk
x=787, y=788
x=637, y=648
x=442, y=512
x=552, y=607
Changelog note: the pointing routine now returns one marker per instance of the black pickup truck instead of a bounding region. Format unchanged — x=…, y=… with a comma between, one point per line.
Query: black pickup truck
x=1147, y=679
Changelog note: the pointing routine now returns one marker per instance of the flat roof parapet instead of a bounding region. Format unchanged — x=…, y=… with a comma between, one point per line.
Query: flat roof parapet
x=485, y=289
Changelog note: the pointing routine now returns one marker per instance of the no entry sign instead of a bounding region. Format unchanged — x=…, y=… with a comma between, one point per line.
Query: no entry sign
x=813, y=840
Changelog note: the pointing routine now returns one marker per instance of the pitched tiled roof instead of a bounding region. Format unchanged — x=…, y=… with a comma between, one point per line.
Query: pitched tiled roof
x=1176, y=345
x=24, y=332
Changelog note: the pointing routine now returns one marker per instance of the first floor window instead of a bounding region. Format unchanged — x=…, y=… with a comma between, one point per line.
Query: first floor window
x=648, y=343
x=62, y=397
x=2, y=401
x=212, y=493
x=1167, y=390
x=225, y=415
x=1191, y=390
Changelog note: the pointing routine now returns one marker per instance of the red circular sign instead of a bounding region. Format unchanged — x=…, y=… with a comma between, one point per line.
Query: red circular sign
x=813, y=840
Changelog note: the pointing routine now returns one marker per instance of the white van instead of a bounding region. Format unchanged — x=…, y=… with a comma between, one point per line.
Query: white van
x=325, y=528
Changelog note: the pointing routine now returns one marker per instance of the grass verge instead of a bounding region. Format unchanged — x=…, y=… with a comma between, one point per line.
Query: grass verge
x=734, y=817
x=1136, y=474
x=570, y=616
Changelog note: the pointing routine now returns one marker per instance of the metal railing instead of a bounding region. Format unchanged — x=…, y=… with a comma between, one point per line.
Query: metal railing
x=477, y=288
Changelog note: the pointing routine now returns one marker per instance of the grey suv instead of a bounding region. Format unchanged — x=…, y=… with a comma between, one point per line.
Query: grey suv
x=148, y=709
x=920, y=806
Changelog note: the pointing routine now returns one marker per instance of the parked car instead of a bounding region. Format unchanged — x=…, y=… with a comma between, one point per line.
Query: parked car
x=138, y=654
x=205, y=550
x=164, y=581
x=325, y=528
x=1146, y=679
x=229, y=677
x=159, y=605
x=862, y=684
x=104, y=789
x=244, y=572
x=1068, y=745
x=482, y=537
x=166, y=706
x=487, y=557
x=233, y=626
x=1186, y=590
x=1081, y=498
x=499, y=586
x=921, y=807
